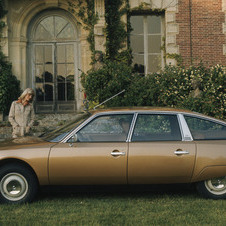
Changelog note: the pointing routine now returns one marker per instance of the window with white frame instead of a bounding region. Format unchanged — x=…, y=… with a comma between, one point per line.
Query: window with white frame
x=146, y=41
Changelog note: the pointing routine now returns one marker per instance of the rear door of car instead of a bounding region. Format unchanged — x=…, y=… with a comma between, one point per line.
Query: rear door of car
x=210, y=138
x=98, y=157
x=157, y=153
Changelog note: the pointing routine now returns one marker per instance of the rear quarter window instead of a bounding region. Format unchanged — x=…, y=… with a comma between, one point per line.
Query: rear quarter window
x=203, y=129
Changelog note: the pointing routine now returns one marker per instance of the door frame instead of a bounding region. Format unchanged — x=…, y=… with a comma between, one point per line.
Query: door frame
x=77, y=59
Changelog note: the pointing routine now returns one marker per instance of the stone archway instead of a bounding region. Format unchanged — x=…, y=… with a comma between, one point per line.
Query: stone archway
x=21, y=14
x=53, y=59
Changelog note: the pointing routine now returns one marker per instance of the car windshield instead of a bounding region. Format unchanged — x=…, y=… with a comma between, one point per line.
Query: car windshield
x=59, y=133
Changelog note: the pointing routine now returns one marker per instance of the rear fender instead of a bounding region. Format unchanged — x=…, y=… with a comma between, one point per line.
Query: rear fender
x=210, y=172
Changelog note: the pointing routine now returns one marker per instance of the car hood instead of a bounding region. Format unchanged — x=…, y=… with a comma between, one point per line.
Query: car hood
x=23, y=143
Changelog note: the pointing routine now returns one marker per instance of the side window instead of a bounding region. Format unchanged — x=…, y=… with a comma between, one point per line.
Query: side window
x=107, y=128
x=202, y=129
x=156, y=128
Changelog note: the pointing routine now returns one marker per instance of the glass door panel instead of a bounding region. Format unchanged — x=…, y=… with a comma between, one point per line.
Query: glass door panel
x=61, y=77
x=44, y=74
x=65, y=72
x=70, y=82
x=70, y=53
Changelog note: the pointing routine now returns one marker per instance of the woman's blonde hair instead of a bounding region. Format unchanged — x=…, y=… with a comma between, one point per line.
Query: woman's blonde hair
x=27, y=91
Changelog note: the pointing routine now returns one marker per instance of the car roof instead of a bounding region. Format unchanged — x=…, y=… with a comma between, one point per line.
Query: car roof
x=140, y=109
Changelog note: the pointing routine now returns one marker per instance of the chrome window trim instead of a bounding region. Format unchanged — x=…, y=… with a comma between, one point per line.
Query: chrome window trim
x=132, y=127
x=185, y=131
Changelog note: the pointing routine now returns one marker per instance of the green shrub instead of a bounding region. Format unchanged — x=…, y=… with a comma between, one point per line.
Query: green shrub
x=9, y=85
x=142, y=91
x=173, y=87
x=109, y=80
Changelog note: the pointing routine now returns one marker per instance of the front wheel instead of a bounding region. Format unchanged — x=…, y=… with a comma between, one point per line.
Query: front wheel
x=213, y=189
x=18, y=184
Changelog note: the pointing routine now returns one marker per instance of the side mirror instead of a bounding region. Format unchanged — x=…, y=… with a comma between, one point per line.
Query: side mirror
x=74, y=138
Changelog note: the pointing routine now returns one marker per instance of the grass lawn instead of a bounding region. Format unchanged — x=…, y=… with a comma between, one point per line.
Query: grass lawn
x=174, y=207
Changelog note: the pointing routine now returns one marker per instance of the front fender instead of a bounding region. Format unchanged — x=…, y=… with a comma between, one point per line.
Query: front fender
x=34, y=155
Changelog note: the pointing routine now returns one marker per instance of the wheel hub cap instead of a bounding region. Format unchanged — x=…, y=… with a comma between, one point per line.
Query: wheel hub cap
x=13, y=186
x=216, y=186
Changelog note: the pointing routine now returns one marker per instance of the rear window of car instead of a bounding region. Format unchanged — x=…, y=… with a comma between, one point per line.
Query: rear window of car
x=154, y=127
x=203, y=129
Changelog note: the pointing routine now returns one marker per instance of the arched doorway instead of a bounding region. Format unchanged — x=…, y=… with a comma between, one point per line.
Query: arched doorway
x=53, y=51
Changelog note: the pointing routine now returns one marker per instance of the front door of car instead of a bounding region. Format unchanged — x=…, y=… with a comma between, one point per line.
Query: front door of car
x=98, y=157
x=156, y=152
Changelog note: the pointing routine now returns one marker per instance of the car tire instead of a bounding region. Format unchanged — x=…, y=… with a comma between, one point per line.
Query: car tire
x=213, y=189
x=18, y=184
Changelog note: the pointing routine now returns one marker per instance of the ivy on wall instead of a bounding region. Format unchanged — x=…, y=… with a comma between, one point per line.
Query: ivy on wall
x=145, y=8
x=85, y=10
x=2, y=14
x=117, y=31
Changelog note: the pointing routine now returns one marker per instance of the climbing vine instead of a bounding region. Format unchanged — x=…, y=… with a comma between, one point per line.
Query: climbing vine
x=117, y=31
x=145, y=8
x=2, y=14
x=86, y=12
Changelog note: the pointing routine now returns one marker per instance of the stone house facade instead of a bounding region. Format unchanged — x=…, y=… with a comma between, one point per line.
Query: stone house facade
x=47, y=43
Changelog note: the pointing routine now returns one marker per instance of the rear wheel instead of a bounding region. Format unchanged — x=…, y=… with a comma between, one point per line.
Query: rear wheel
x=214, y=188
x=18, y=184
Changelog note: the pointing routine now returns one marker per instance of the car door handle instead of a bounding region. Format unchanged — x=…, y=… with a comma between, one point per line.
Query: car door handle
x=180, y=152
x=117, y=153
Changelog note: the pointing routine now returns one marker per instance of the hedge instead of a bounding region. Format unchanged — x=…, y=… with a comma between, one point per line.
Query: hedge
x=195, y=88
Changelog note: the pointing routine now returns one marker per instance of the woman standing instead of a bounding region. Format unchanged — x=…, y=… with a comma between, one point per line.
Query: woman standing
x=21, y=114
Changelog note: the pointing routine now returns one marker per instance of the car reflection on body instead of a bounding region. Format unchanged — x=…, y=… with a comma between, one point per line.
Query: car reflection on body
x=121, y=147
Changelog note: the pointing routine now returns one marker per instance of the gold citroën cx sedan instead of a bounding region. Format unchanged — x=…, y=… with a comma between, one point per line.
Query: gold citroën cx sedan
x=121, y=147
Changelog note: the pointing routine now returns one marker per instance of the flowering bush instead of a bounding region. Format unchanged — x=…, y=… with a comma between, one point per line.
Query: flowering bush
x=196, y=88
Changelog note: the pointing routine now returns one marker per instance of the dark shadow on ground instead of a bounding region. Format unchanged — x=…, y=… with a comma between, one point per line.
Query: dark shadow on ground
x=120, y=191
